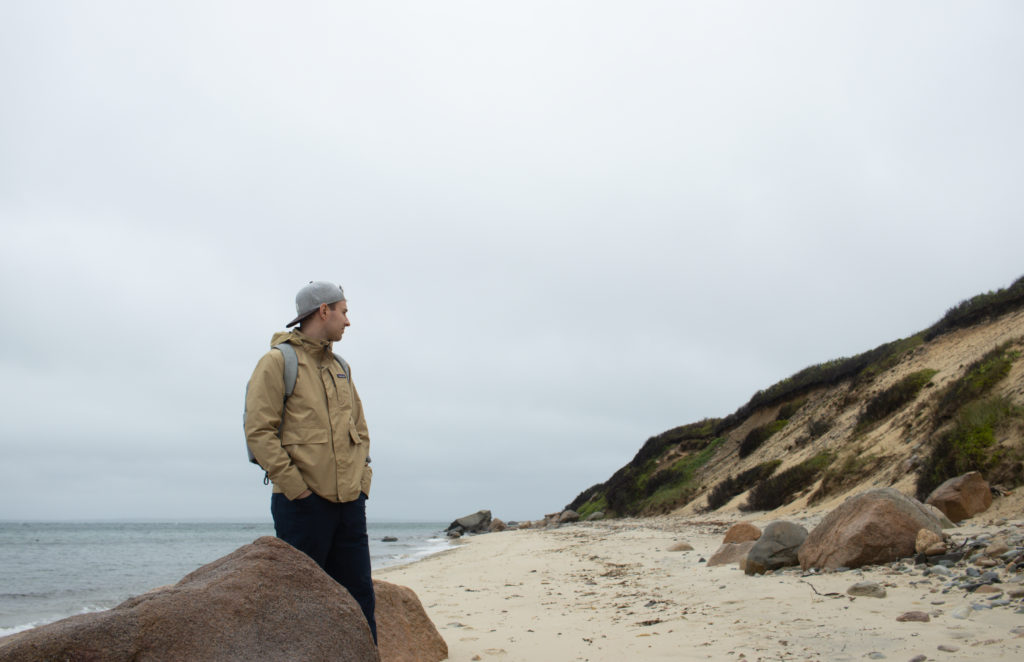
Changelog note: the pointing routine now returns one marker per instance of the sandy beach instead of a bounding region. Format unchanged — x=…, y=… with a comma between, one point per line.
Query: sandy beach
x=614, y=591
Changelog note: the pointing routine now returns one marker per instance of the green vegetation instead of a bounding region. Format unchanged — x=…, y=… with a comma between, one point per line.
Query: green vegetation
x=978, y=380
x=633, y=486
x=591, y=507
x=853, y=469
x=787, y=410
x=819, y=426
x=759, y=435
x=734, y=485
x=893, y=398
x=968, y=446
x=778, y=490
x=627, y=486
x=979, y=308
x=675, y=486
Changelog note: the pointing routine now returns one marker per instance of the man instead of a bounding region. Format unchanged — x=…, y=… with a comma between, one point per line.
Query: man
x=314, y=445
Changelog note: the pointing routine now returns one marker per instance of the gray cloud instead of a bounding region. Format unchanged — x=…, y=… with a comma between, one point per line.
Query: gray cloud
x=562, y=229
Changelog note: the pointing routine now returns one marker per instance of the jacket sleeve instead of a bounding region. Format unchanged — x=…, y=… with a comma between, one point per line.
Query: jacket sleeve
x=264, y=404
x=364, y=434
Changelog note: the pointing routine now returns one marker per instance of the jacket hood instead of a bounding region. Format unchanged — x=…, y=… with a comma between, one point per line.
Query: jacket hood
x=298, y=339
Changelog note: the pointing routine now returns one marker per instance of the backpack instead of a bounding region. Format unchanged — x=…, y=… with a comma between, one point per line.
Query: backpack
x=291, y=372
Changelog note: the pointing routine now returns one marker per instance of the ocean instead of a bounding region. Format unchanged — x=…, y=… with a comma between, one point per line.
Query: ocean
x=52, y=570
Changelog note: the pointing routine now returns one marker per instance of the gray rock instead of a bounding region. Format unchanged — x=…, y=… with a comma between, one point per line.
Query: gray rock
x=478, y=522
x=776, y=548
x=962, y=612
x=866, y=590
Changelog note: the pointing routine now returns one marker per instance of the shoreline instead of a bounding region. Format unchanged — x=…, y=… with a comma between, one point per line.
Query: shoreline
x=612, y=590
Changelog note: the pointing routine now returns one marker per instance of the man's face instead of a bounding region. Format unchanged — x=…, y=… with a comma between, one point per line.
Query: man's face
x=337, y=320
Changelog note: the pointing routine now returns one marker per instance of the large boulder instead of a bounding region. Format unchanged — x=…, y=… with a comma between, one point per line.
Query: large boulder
x=878, y=526
x=264, y=601
x=776, y=548
x=962, y=497
x=478, y=522
x=404, y=631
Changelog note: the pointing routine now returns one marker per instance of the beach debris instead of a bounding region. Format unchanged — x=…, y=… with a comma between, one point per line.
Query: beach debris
x=866, y=590
x=776, y=548
x=962, y=497
x=741, y=532
x=874, y=527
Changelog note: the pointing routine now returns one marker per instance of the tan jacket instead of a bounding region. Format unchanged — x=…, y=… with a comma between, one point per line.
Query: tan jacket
x=323, y=441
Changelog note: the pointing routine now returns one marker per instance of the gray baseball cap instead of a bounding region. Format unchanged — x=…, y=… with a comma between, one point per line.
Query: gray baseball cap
x=311, y=296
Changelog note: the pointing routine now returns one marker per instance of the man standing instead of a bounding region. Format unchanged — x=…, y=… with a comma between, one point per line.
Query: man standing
x=314, y=443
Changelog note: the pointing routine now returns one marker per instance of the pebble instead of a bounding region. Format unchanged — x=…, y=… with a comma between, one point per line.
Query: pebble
x=919, y=658
x=988, y=588
x=973, y=572
x=1000, y=603
x=946, y=648
x=913, y=617
x=1015, y=593
x=977, y=606
x=961, y=612
x=940, y=570
x=866, y=589
x=875, y=655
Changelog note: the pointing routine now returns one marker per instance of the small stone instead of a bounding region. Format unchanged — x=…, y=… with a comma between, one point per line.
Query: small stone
x=914, y=617
x=1015, y=593
x=946, y=648
x=997, y=547
x=919, y=658
x=985, y=562
x=681, y=547
x=926, y=538
x=866, y=589
x=978, y=606
x=940, y=570
x=990, y=577
x=988, y=588
x=875, y=655
x=1000, y=603
x=962, y=612
x=973, y=572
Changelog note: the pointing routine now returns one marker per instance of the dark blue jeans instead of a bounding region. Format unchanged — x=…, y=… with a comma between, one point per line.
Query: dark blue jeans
x=333, y=535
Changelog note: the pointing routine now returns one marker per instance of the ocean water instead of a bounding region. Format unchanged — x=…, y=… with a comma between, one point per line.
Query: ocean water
x=51, y=570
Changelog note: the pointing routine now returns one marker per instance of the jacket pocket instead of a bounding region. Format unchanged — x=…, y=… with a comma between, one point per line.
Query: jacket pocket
x=354, y=436
x=305, y=446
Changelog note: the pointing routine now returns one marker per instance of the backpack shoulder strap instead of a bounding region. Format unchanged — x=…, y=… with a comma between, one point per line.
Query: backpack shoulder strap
x=291, y=367
x=344, y=366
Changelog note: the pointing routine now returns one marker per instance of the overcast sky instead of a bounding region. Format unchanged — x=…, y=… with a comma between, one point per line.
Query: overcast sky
x=563, y=227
